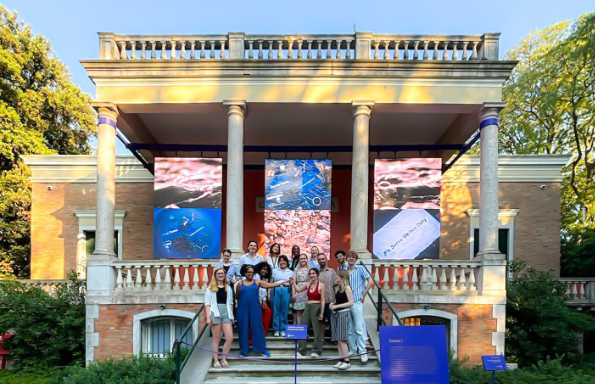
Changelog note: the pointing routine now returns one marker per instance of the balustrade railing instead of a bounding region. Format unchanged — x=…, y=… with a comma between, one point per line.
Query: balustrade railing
x=138, y=276
x=580, y=290
x=440, y=276
x=240, y=46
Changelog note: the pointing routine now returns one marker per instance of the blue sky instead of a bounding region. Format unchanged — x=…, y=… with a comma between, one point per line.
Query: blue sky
x=71, y=25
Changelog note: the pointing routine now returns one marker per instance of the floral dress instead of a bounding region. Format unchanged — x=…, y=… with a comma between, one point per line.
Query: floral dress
x=301, y=280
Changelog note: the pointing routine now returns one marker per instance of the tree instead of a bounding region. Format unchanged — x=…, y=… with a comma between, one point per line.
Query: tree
x=539, y=324
x=549, y=110
x=41, y=112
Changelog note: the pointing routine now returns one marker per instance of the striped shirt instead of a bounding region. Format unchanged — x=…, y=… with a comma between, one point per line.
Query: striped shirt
x=358, y=280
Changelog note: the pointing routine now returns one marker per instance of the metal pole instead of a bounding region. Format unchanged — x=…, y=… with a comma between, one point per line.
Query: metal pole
x=294, y=362
x=177, y=361
x=379, y=309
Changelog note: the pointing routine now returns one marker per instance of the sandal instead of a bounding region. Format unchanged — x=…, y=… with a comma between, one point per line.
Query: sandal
x=216, y=363
x=224, y=363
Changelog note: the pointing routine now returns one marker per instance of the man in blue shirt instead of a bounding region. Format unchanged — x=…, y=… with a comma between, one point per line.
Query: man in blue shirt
x=359, y=280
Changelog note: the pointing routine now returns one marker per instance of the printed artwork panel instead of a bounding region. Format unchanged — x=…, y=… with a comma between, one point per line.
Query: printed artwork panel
x=298, y=227
x=406, y=234
x=407, y=183
x=186, y=233
x=188, y=182
x=298, y=184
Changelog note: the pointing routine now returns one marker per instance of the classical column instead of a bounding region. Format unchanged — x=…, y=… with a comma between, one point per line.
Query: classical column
x=100, y=274
x=234, y=228
x=488, y=181
x=359, y=177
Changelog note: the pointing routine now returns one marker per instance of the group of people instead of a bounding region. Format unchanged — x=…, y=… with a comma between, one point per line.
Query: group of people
x=259, y=290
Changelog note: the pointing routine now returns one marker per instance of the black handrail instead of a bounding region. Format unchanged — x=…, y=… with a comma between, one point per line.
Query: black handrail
x=177, y=347
x=381, y=297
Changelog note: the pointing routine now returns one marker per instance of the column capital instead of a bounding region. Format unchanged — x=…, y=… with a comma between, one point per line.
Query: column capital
x=490, y=110
x=235, y=107
x=362, y=107
x=107, y=111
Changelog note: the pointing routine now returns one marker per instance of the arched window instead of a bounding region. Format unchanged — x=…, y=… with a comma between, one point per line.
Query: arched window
x=158, y=335
x=154, y=332
x=434, y=317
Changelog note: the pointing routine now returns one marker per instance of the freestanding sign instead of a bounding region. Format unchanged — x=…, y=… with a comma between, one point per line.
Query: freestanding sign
x=413, y=354
x=296, y=333
x=493, y=363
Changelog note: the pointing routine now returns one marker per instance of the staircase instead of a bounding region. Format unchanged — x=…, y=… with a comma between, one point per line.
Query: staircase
x=279, y=368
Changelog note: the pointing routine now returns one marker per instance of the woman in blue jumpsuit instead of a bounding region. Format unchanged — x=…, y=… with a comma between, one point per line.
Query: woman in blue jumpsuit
x=250, y=313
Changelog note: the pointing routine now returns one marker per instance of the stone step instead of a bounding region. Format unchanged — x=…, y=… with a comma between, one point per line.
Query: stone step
x=289, y=345
x=280, y=358
x=344, y=379
x=286, y=371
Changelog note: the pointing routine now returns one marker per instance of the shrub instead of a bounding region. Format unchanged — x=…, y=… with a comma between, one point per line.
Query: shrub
x=126, y=371
x=50, y=328
x=540, y=325
x=30, y=377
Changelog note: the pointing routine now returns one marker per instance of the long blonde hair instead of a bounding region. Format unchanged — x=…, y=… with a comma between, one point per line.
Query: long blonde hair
x=213, y=286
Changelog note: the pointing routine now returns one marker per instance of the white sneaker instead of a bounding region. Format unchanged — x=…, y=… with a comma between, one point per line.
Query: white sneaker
x=344, y=366
x=283, y=334
x=276, y=333
x=364, y=358
x=300, y=356
x=338, y=365
x=314, y=355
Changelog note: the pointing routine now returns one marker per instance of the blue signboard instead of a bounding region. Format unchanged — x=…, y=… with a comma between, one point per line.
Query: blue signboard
x=492, y=363
x=297, y=332
x=413, y=354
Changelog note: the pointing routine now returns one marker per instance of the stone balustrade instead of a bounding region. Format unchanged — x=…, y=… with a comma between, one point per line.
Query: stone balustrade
x=240, y=46
x=579, y=290
x=161, y=275
x=439, y=276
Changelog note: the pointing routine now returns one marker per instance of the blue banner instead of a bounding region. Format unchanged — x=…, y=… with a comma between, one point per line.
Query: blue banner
x=413, y=354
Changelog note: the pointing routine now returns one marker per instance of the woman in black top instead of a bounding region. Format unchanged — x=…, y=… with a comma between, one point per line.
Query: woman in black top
x=341, y=317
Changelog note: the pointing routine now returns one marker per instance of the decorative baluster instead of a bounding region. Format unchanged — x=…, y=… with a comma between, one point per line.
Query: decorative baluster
x=143, y=46
x=426, y=277
x=455, y=50
x=474, y=53
x=133, y=49
x=452, y=281
x=204, y=278
x=123, y=53
x=279, y=49
x=406, y=50
x=471, y=282
x=574, y=290
x=300, y=42
x=192, y=55
x=348, y=55
x=119, y=281
x=158, y=279
x=445, y=51
x=434, y=277
x=329, y=52
x=375, y=55
x=414, y=278
x=465, y=55
x=290, y=49
x=183, y=50
x=202, y=48
x=338, y=54
x=129, y=282
x=172, y=51
x=148, y=279
x=309, y=49
x=176, y=276
x=443, y=280
x=425, y=54
x=435, y=51
x=396, y=56
x=319, y=49
x=406, y=277
x=186, y=280
x=260, y=55
x=250, y=49
x=166, y=277
x=222, y=49
x=462, y=278
x=212, y=51
x=415, y=50
x=195, y=276
x=270, y=51
x=163, y=51
x=382, y=275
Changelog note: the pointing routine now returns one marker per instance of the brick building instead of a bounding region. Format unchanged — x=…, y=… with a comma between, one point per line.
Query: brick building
x=246, y=98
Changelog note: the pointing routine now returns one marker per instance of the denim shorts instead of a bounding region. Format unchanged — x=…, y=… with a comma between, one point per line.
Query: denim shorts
x=223, y=317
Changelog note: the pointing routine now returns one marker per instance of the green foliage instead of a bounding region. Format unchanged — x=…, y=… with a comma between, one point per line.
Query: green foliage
x=49, y=329
x=539, y=324
x=549, y=110
x=128, y=371
x=47, y=376
x=551, y=372
x=41, y=112
x=578, y=255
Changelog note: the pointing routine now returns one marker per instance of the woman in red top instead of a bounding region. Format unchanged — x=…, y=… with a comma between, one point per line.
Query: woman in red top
x=313, y=312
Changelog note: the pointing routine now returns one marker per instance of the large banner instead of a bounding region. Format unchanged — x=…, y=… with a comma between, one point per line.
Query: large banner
x=297, y=204
x=187, y=213
x=407, y=208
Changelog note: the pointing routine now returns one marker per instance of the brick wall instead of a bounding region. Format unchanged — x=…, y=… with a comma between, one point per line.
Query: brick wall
x=115, y=323
x=537, y=225
x=474, y=329
x=54, y=227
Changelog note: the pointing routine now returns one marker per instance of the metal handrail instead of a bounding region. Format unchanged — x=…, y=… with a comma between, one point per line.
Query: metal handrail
x=177, y=347
x=380, y=298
